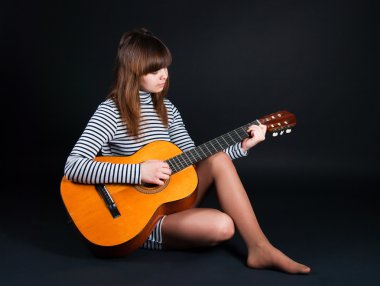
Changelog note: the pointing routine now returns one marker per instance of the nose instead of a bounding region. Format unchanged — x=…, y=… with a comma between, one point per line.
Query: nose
x=164, y=73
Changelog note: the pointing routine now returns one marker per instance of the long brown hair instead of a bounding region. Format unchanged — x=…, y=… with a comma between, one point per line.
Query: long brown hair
x=139, y=53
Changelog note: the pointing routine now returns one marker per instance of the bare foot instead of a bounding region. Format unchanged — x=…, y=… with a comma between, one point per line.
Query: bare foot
x=267, y=256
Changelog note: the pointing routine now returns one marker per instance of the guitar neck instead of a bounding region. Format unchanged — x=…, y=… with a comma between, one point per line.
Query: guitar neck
x=209, y=148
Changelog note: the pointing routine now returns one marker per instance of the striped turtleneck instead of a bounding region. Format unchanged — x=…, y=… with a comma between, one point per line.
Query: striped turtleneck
x=106, y=134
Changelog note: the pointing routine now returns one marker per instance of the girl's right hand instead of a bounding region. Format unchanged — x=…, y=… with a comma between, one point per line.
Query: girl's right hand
x=154, y=172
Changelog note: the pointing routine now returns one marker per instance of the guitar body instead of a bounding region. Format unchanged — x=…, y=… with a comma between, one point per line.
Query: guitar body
x=140, y=207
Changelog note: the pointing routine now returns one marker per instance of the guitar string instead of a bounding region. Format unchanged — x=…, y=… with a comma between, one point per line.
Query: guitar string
x=182, y=161
x=229, y=139
x=205, y=149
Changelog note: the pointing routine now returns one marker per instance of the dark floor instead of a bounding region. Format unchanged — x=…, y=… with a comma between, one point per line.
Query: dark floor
x=329, y=223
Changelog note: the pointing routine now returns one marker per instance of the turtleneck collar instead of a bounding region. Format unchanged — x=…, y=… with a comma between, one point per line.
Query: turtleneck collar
x=145, y=97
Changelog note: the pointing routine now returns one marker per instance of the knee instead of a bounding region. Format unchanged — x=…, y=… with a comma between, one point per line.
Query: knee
x=223, y=228
x=220, y=157
x=220, y=160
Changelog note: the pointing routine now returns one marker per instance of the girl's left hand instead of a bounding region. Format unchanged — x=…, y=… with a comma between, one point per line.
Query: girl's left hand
x=257, y=133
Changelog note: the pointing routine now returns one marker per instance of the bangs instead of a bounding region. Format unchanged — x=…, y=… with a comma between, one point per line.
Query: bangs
x=156, y=57
x=141, y=53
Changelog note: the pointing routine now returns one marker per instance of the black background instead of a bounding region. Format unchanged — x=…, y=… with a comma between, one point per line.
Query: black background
x=233, y=62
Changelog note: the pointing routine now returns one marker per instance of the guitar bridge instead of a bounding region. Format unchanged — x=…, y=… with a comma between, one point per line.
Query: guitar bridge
x=105, y=195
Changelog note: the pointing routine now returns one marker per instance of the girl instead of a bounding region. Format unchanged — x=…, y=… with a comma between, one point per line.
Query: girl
x=136, y=113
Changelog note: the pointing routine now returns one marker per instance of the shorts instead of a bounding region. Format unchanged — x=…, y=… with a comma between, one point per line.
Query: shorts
x=154, y=240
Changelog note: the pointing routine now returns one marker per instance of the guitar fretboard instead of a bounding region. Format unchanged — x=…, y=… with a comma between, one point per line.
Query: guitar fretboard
x=209, y=148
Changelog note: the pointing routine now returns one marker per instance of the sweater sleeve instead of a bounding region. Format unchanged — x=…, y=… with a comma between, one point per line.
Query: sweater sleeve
x=181, y=138
x=235, y=151
x=81, y=167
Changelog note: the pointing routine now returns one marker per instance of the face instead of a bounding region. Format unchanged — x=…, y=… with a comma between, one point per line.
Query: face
x=154, y=82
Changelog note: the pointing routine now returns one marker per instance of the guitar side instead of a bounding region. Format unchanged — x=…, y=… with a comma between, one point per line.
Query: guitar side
x=139, y=211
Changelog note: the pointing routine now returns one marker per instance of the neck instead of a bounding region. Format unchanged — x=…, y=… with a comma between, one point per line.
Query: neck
x=209, y=148
x=145, y=97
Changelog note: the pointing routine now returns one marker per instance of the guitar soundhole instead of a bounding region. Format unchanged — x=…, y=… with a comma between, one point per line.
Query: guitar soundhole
x=151, y=188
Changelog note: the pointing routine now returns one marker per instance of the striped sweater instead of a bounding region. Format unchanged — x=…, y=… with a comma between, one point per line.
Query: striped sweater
x=106, y=134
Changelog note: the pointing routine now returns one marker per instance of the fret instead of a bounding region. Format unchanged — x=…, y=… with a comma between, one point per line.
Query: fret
x=225, y=141
x=190, y=152
x=182, y=161
x=216, y=150
x=176, y=158
x=219, y=143
x=237, y=133
x=208, y=148
x=241, y=132
x=200, y=148
x=233, y=140
x=185, y=154
x=172, y=165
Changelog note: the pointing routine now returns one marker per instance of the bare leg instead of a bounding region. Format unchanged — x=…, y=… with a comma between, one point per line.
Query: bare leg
x=196, y=227
x=219, y=169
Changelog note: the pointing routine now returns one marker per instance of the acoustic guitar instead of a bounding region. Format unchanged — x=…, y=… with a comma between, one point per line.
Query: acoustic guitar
x=116, y=219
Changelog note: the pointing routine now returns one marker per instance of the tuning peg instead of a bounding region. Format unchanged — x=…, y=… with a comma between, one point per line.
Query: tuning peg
x=288, y=130
x=275, y=134
x=281, y=132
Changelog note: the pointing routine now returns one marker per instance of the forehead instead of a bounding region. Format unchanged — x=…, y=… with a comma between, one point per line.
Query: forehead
x=155, y=72
x=155, y=57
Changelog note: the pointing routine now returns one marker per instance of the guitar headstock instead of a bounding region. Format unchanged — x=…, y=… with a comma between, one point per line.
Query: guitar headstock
x=279, y=122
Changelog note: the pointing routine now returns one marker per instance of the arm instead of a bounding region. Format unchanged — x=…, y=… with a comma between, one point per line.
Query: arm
x=80, y=165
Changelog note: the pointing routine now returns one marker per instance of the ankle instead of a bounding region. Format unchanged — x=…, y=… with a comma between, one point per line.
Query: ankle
x=259, y=244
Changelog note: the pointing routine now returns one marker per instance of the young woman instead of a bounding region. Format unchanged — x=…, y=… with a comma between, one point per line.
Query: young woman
x=136, y=113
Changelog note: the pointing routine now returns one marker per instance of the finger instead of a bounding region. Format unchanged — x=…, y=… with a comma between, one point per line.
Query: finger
x=166, y=171
x=253, y=127
x=165, y=165
x=258, y=133
x=165, y=168
x=159, y=182
x=262, y=128
x=250, y=132
x=164, y=177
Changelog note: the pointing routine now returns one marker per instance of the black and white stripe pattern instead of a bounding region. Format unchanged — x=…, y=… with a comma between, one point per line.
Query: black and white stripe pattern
x=154, y=240
x=107, y=133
